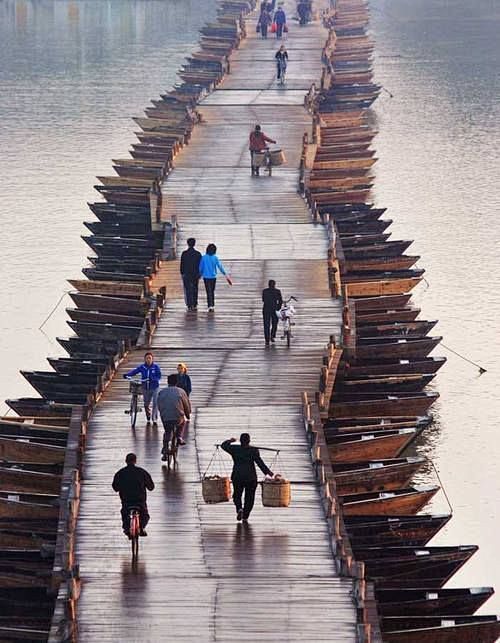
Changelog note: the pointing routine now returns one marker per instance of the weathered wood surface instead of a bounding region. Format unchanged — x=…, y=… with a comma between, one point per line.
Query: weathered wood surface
x=202, y=576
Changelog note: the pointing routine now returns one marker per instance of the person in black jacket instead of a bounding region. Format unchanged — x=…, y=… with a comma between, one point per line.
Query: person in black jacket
x=190, y=271
x=244, y=475
x=272, y=300
x=131, y=483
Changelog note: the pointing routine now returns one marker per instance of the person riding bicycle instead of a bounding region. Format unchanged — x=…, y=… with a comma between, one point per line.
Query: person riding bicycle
x=150, y=378
x=257, y=143
x=175, y=409
x=133, y=483
x=281, y=63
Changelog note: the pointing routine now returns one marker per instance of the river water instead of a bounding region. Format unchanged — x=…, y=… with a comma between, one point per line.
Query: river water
x=73, y=73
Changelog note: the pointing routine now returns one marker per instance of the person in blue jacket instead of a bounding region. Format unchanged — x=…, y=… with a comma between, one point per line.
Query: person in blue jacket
x=280, y=20
x=150, y=377
x=209, y=265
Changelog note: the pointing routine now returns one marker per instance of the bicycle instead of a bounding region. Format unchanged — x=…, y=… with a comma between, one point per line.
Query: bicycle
x=285, y=315
x=170, y=445
x=282, y=73
x=134, y=517
x=135, y=387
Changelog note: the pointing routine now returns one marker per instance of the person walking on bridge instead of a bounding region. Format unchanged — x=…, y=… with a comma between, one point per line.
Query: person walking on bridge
x=209, y=265
x=133, y=483
x=190, y=271
x=272, y=301
x=280, y=21
x=257, y=143
x=244, y=475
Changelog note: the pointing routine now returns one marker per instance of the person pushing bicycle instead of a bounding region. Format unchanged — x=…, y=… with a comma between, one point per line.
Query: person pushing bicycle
x=133, y=483
x=257, y=143
x=175, y=409
x=150, y=378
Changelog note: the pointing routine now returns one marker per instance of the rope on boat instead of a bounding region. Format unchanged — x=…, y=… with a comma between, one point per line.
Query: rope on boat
x=53, y=310
x=481, y=369
x=442, y=487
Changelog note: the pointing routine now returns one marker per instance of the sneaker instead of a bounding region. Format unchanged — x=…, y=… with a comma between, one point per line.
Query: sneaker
x=181, y=441
x=164, y=458
x=148, y=424
x=267, y=343
x=239, y=514
x=245, y=520
x=155, y=425
x=143, y=533
x=211, y=309
x=272, y=340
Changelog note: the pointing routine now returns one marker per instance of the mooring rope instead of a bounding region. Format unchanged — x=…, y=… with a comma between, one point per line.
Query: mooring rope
x=442, y=486
x=53, y=310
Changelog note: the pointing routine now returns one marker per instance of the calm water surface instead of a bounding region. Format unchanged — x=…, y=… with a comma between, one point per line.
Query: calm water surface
x=438, y=174
x=73, y=72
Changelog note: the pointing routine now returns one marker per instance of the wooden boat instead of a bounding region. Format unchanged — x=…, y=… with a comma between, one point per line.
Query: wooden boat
x=362, y=239
x=98, y=366
x=438, y=629
x=386, y=302
x=47, y=381
x=396, y=405
x=407, y=314
x=356, y=447
x=395, y=286
x=108, y=288
x=425, y=602
x=20, y=481
x=30, y=430
x=420, y=327
x=394, y=383
x=339, y=196
x=412, y=567
x=360, y=163
x=386, y=249
x=364, y=226
x=91, y=330
x=24, y=601
x=374, y=349
x=375, y=475
x=409, y=500
x=402, y=262
x=140, y=229
x=348, y=426
x=96, y=275
x=114, y=305
x=423, y=366
x=38, y=407
x=390, y=530
x=75, y=346
x=96, y=317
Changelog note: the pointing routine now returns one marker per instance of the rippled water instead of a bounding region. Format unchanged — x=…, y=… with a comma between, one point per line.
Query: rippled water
x=73, y=73
x=438, y=174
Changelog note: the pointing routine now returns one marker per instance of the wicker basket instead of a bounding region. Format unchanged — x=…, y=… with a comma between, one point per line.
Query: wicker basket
x=277, y=157
x=216, y=489
x=276, y=493
x=135, y=387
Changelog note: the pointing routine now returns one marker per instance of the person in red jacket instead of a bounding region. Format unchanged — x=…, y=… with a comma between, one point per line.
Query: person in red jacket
x=257, y=143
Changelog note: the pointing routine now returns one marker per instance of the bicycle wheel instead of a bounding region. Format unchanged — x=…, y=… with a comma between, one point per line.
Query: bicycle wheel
x=288, y=336
x=133, y=411
x=135, y=528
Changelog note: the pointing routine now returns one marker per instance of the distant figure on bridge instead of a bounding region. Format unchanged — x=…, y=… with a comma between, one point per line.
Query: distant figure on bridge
x=244, y=475
x=257, y=143
x=175, y=409
x=264, y=20
x=190, y=271
x=150, y=378
x=272, y=301
x=280, y=21
x=183, y=379
x=209, y=265
x=133, y=483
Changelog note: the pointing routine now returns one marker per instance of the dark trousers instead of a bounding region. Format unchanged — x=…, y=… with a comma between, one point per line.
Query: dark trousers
x=270, y=324
x=190, y=290
x=263, y=29
x=279, y=29
x=143, y=514
x=248, y=487
x=168, y=427
x=210, y=289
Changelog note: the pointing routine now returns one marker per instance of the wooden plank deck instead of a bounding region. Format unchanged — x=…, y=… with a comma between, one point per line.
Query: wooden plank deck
x=202, y=576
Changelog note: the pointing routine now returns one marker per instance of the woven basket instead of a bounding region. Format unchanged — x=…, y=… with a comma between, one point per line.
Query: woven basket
x=259, y=159
x=216, y=489
x=276, y=493
x=277, y=157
